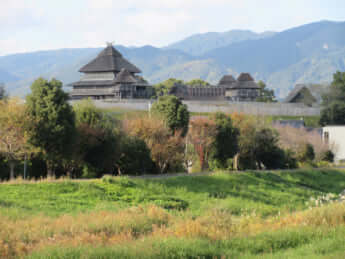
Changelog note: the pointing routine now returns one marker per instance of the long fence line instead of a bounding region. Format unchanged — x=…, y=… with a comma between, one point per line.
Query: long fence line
x=254, y=108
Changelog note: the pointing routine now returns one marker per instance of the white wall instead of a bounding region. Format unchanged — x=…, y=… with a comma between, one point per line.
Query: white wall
x=336, y=137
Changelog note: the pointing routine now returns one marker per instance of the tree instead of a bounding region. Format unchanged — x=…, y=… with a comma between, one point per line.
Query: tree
x=3, y=94
x=97, y=139
x=166, y=149
x=197, y=83
x=258, y=144
x=13, y=138
x=266, y=149
x=333, y=105
x=166, y=87
x=51, y=121
x=266, y=95
x=173, y=112
x=225, y=144
x=202, y=134
x=135, y=157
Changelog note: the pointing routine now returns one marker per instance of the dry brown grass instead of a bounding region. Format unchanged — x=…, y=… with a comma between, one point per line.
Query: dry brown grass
x=21, y=237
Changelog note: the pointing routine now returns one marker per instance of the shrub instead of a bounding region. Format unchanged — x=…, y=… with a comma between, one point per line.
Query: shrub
x=167, y=151
x=306, y=153
x=327, y=156
x=135, y=157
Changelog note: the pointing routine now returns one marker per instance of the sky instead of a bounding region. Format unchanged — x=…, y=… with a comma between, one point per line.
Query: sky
x=31, y=25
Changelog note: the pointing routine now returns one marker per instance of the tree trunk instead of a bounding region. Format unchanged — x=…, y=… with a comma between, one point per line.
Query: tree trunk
x=235, y=166
x=11, y=170
x=50, y=170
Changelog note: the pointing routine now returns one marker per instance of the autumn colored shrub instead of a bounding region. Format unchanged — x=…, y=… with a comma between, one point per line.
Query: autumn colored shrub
x=202, y=134
x=167, y=150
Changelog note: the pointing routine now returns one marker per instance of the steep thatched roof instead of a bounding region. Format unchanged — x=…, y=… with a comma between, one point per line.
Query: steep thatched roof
x=226, y=80
x=315, y=90
x=124, y=77
x=109, y=60
x=245, y=77
x=245, y=81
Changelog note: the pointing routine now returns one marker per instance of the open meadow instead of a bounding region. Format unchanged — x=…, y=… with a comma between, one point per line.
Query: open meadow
x=280, y=214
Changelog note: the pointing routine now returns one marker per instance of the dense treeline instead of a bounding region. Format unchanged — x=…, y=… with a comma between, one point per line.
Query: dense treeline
x=46, y=136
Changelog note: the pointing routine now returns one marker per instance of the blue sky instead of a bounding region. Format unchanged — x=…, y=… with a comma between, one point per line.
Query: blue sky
x=30, y=25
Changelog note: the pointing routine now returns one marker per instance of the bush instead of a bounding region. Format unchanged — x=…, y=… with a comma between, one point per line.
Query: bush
x=327, y=156
x=306, y=153
x=290, y=159
x=135, y=157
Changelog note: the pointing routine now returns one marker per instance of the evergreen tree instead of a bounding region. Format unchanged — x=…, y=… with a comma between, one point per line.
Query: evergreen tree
x=173, y=112
x=51, y=124
x=333, y=111
x=225, y=145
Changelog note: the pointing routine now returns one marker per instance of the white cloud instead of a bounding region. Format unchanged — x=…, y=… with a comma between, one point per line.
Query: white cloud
x=47, y=24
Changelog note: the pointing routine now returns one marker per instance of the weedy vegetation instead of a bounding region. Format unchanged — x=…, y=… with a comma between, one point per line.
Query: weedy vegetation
x=281, y=214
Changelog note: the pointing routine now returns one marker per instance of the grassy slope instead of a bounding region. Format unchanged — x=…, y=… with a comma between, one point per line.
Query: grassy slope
x=237, y=215
x=266, y=193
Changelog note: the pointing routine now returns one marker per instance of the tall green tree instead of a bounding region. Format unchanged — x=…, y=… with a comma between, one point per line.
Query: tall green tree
x=333, y=103
x=51, y=125
x=266, y=95
x=225, y=145
x=173, y=112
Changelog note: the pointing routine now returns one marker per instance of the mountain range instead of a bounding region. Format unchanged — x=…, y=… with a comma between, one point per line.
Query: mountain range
x=307, y=54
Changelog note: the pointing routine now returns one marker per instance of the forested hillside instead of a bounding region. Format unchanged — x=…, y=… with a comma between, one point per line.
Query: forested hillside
x=307, y=54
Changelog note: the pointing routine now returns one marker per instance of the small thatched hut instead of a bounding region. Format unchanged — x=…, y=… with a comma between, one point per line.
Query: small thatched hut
x=243, y=90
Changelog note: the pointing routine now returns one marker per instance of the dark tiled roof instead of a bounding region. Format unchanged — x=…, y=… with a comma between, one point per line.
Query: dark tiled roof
x=227, y=80
x=125, y=77
x=292, y=123
x=245, y=81
x=109, y=60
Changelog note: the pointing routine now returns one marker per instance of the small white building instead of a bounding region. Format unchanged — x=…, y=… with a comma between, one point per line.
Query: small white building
x=335, y=136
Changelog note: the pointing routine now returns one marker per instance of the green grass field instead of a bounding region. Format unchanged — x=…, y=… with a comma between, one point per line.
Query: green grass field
x=239, y=215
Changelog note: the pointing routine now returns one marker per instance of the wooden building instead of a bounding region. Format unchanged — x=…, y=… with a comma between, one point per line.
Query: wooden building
x=110, y=76
x=244, y=89
x=204, y=92
x=308, y=94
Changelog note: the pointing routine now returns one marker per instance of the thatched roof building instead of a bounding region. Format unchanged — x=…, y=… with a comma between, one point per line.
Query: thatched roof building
x=243, y=89
x=110, y=75
x=227, y=81
x=309, y=94
x=109, y=60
